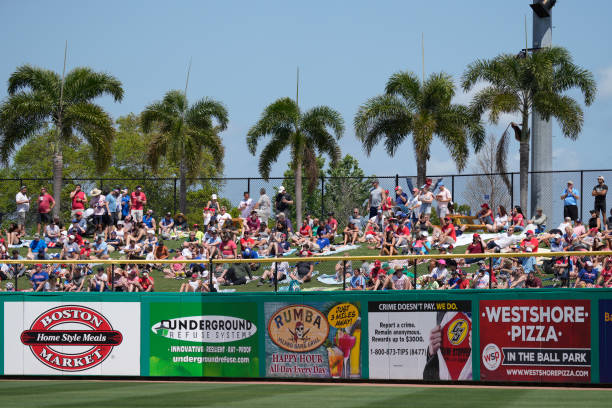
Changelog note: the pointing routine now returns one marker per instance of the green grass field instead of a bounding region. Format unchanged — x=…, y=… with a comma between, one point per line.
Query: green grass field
x=66, y=394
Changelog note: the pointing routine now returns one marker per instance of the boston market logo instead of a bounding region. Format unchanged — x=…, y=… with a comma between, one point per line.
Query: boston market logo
x=298, y=328
x=71, y=338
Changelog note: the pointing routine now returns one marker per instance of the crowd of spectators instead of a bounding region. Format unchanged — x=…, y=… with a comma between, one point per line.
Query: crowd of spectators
x=120, y=222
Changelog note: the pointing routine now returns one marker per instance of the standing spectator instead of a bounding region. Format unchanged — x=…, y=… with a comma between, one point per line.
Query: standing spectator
x=79, y=199
x=263, y=206
x=114, y=205
x=401, y=199
x=426, y=197
x=570, y=199
x=100, y=207
x=599, y=192
x=125, y=203
x=377, y=196
x=138, y=202
x=45, y=205
x=283, y=201
x=246, y=206
x=444, y=198
x=224, y=218
x=23, y=206
x=414, y=206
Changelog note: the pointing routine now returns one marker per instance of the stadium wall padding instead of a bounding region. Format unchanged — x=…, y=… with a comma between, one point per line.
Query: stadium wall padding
x=541, y=335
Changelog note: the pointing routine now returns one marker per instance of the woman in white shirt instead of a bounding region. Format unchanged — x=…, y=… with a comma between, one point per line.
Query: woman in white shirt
x=501, y=220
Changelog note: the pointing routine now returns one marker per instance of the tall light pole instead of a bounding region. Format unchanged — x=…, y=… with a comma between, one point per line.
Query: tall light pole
x=541, y=136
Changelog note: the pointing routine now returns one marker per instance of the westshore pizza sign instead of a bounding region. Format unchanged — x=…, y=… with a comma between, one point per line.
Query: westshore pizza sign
x=92, y=338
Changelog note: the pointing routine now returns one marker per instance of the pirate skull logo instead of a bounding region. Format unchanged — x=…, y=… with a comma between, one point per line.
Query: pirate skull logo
x=300, y=332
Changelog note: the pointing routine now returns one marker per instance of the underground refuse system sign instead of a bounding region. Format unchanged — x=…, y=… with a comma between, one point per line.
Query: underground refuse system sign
x=535, y=340
x=204, y=339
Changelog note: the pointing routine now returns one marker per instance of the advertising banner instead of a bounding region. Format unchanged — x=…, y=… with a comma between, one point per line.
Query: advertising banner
x=420, y=340
x=535, y=340
x=204, y=339
x=313, y=339
x=605, y=340
x=81, y=338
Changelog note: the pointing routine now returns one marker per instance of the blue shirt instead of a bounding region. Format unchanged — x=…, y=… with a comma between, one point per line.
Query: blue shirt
x=112, y=203
x=148, y=220
x=125, y=205
x=101, y=246
x=570, y=200
x=404, y=197
x=39, y=277
x=588, y=277
x=38, y=246
x=357, y=281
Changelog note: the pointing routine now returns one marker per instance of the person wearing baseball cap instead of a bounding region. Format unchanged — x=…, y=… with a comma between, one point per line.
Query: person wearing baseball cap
x=587, y=276
x=570, y=199
x=282, y=201
x=401, y=199
x=443, y=198
x=137, y=204
x=539, y=220
x=599, y=192
x=530, y=242
x=376, y=198
x=40, y=279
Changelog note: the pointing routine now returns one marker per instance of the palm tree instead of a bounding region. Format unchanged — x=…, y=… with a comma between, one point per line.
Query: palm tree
x=535, y=82
x=420, y=109
x=182, y=133
x=304, y=134
x=39, y=97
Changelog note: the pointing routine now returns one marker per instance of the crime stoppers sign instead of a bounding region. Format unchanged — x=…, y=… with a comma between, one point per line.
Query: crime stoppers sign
x=85, y=338
x=535, y=340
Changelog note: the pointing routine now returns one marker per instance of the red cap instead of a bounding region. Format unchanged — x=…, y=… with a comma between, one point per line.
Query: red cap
x=428, y=181
x=397, y=188
x=593, y=229
x=529, y=232
x=476, y=235
x=386, y=191
x=485, y=205
x=39, y=265
x=376, y=263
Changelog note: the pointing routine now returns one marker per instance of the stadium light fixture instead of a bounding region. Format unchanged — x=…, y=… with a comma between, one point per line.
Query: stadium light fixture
x=542, y=7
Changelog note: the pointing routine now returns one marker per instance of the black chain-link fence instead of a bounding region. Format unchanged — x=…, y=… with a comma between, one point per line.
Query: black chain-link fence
x=328, y=194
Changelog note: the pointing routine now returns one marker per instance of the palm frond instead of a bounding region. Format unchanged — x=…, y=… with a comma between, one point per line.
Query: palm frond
x=278, y=118
x=35, y=79
x=563, y=108
x=501, y=155
x=95, y=126
x=200, y=114
x=269, y=154
x=407, y=85
x=383, y=116
x=438, y=91
x=83, y=84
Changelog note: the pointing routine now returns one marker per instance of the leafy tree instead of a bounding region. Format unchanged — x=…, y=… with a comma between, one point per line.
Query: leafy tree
x=39, y=97
x=409, y=107
x=346, y=188
x=535, y=83
x=304, y=133
x=182, y=134
x=311, y=200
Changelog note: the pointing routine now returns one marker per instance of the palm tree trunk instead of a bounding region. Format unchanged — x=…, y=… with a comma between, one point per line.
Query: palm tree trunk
x=183, y=187
x=298, y=193
x=58, y=168
x=421, y=160
x=524, y=161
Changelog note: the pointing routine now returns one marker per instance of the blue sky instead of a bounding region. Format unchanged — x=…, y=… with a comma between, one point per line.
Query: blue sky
x=245, y=54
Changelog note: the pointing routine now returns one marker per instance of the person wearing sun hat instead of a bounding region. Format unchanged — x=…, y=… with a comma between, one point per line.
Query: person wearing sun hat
x=397, y=280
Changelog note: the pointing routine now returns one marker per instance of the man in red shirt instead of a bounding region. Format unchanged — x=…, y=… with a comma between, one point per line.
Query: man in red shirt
x=448, y=235
x=79, y=199
x=146, y=282
x=530, y=242
x=138, y=201
x=45, y=205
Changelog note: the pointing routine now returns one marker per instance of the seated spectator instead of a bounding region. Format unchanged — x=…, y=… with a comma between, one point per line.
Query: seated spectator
x=518, y=220
x=166, y=226
x=224, y=219
x=357, y=281
x=502, y=243
x=532, y=281
x=194, y=284
x=52, y=234
x=587, y=276
x=304, y=234
x=475, y=247
x=605, y=278
x=594, y=221
x=447, y=236
x=76, y=280
x=356, y=219
x=227, y=248
x=429, y=283
x=351, y=233
x=501, y=220
x=481, y=278
x=236, y=274
x=530, y=243
x=378, y=275
x=388, y=244
x=149, y=221
x=100, y=248
x=332, y=225
x=40, y=279
x=14, y=234
x=281, y=273
x=37, y=248
x=579, y=228
x=253, y=223
x=98, y=282
x=398, y=280
x=440, y=272
x=303, y=269
x=344, y=268
x=120, y=281
x=147, y=283
x=539, y=220
x=485, y=215
x=247, y=246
